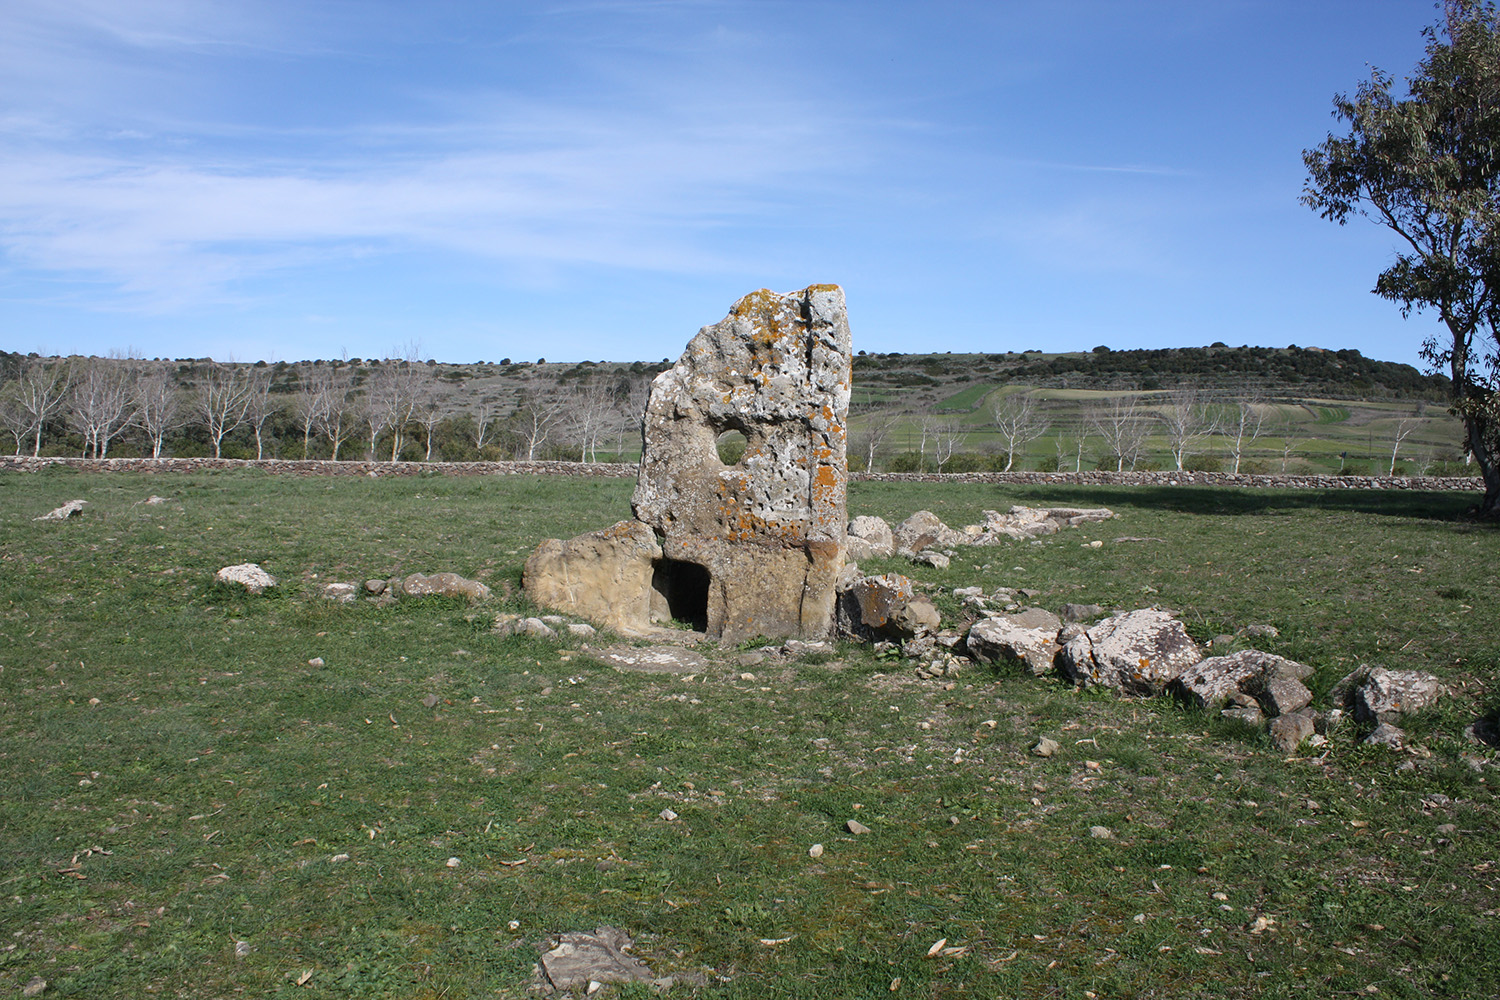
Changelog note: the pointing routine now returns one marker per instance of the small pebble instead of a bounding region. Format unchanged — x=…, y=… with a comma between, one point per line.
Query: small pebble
x=454, y=862
x=316, y=661
x=815, y=851
x=855, y=827
x=1101, y=832
x=667, y=815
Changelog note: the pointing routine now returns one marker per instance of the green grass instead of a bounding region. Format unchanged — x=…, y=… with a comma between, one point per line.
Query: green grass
x=220, y=772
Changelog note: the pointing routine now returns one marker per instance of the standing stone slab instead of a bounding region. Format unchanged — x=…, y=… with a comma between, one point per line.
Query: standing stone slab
x=764, y=537
x=752, y=549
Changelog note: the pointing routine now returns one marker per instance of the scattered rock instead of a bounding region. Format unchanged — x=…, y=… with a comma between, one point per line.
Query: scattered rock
x=1081, y=612
x=430, y=701
x=248, y=575
x=870, y=538
x=815, y=851
x=923, y=530
x=931, y=557
x=855, y=827
x=885, y=606
x=1046, y=747
x=582, y=630
x=1101, y=833
x=67, y=510
x=1028, y=638
x=1288, y=731
x=1386, y=695
x=374, y=587
x=535, y=628
x=1136, y=653
x=344, y=593
x=316, y=661
x=34, y=987
x=579, y=958
x=1211, y=681
x=242, y=949
x=444, y=585
x=1259, y=632
x=1387, y=735
x=1280, y=694
x=668, y=815
x=796, y=649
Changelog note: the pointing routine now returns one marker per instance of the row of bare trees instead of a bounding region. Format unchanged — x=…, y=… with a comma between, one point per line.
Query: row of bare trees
x=1113, y=429
x=395, y=406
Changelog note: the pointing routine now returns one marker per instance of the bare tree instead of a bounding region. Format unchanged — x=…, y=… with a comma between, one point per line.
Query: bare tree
x=311, y=402
x=872, y=436
x=1290, y=434
x=1187, y=417
x=101, y=402
x=1249, y=421
x=221, y=400
x=337, y=414
x=428, y=415
x=1404, y=427
x=484, y=419
x=536, y=418
x=1119, y=421
x=259, y=405
x=947, y=436
x=1019, y=422
x=13, y=416
x=42, y=390
x=589, y=413
x=157, y=405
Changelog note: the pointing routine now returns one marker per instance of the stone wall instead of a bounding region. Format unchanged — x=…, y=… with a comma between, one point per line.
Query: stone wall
x=628, y=471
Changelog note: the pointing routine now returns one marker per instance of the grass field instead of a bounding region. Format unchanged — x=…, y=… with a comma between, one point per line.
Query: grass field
x=179, y=777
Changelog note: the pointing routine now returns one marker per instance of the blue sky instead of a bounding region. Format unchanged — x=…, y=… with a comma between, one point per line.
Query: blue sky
x=595, y=179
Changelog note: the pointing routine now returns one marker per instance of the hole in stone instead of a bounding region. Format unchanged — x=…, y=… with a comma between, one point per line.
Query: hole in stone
x=731, y=446
x=683, y=591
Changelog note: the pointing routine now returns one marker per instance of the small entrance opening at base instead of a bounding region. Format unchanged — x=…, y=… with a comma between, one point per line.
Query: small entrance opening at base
x=681, y=592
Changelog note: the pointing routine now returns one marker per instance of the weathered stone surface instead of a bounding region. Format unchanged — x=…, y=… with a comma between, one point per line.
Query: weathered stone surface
x=1386, y=695
x=248, y=575
x=1138, y=652
x=604, y=576
x=1028, y=638
x=579, y=958
x=769, y=531
x=923, y=530
x=67, y=510
x=885, y=606
x=444, y=585
x=1282, y=695
x=374, y=587
x=873, y=535
x=1288, y=731
x=931, y=557
x=1210, y=681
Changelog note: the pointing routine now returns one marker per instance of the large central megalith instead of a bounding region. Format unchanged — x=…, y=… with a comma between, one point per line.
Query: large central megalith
x=745, y=550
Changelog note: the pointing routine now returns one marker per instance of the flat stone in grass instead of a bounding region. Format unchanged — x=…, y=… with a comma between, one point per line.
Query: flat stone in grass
x=579, y=958
x=67, y=510
x=444, y=585
x=654, y=659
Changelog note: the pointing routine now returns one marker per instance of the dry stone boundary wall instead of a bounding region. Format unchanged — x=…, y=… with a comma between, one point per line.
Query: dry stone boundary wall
x=628, y=471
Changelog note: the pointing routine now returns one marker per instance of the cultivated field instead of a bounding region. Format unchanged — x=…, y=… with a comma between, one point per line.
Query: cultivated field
x=179, y=778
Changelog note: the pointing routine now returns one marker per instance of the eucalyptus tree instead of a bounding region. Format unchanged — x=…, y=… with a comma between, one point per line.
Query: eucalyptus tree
x=1426, y=166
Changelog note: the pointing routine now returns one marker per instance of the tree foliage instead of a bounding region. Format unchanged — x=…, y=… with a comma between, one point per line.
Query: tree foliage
x=1427, y=167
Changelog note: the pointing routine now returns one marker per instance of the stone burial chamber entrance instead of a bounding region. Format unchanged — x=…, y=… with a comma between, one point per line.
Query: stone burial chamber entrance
x=737, y=549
